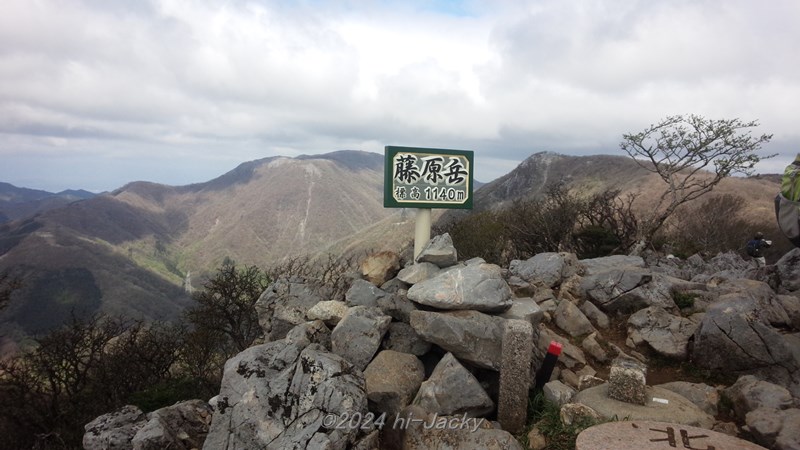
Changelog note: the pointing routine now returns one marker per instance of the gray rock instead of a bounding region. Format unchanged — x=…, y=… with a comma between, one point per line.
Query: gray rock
x=416, y=273
x=393, y=379
x=627, y=381
x=439, y=251
x=478, y=287
x=330, y=312
x=363, y=293
x=401, y=337
x=791, y=305
x=276, y=395
x=394, y=285
x=677, y=409
x=453, y=390
x=571, y=356
x=606, y=288
x=432, y=432
x=314, y=332
x=704, y=396
x=598, y=318
x=558, y=393
x=594, y=349
x=732, y=338
x=398, y=306
x=359, y=334
x=284, y=304
x=789, y=437
x=380, y=267
x=182, y=426
x=526, y=309
x=114, y=430
x=668, y=335
x=789, y=270
x=596, y=265
x=470, y=335
x=765, y=424
x=570, y=319
x=575, y=413
x=749, y=393
x=589, y=381
x=545, y=269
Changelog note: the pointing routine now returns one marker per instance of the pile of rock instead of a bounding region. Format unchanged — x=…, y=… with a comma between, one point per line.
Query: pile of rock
x=446, y=350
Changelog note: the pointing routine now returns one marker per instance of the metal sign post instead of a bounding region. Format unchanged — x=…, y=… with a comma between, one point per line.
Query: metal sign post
x=427, y=178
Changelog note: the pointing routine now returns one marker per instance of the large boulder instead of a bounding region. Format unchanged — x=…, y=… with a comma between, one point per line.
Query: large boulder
x=359, y=334
x=702, y=395
x=401, y=337
x=627, y=290
x=284, y=304
x=182, y=426
x=479, y=287
x=545, y=269
x=470, y=335
x=734, y=337
x=278, y=395
x=453, y=390
x=789, y=270
x=750, y=393
x=774, y=428
x=668, y=335
x=667, y=407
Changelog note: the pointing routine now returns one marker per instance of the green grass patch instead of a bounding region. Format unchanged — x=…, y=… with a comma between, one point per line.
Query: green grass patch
x=684, y=299
x=546, y=416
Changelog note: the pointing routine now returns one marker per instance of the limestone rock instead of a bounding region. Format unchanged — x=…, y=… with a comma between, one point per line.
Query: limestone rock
x=381, y=267
x=732, y=338
x=401, y=337
x=704, y=396
x=598, y=318
x=276, y=395
x=433, y=432
x=677, y=409
x=570, y=319
x=789, y=270
x=558, y=393
x=284, y=304
x=526, y=309
x=470, y=335
x=571, y=356
x=596, y=265
x=329, y=311
x=750, y=393
x=114, y=430
x=576, y=413
x=182, y=426
x=363, y=293
x=594, y=349
x=397, y=305
x=439, y=251
x=479, y=287
x=359, y=334
x=545, y=269
x=314, y=332
x=416, y=273
x=453, y=390
x=393, y=379
x=668, y=335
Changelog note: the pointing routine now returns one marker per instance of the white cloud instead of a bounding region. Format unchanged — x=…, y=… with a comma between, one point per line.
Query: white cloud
x=175, y=79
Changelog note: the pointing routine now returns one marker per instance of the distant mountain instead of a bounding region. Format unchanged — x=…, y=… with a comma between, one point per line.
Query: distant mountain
x=19, y=203
x=130, y=251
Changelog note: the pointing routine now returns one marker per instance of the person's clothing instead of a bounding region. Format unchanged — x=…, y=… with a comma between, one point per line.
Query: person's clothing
x=760, y=261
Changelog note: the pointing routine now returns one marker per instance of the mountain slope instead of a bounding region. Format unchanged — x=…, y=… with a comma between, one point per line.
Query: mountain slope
x=18, y=203
x=131, y=251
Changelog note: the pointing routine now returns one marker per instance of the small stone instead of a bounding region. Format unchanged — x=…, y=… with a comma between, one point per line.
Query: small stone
x=626, y=381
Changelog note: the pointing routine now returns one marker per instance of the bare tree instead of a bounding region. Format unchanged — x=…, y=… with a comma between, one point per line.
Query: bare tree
x=681, y=150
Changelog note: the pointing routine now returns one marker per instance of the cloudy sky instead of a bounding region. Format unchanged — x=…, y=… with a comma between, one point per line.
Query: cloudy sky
x=96, y=93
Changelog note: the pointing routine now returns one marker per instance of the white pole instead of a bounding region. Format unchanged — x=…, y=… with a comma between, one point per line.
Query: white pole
x=422, y=231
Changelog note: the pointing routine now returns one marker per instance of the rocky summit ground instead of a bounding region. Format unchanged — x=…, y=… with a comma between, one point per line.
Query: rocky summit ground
x=419, y=355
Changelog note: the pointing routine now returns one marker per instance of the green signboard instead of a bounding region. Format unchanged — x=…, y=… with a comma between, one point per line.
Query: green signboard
x=427, y=178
